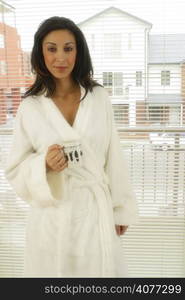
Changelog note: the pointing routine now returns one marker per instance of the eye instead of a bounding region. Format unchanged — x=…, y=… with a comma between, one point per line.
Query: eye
x=51, y=49
x=68, y=49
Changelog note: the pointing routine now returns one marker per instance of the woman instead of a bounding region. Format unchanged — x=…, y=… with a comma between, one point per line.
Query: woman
x=66, y=161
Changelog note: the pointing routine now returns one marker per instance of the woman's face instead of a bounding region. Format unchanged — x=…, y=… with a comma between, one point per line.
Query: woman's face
x=59, y=51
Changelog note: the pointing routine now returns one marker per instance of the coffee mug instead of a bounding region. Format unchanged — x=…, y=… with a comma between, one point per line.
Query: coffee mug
x=73, y=152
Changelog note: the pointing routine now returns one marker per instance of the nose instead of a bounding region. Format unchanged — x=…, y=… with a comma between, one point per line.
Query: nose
x=60, y=55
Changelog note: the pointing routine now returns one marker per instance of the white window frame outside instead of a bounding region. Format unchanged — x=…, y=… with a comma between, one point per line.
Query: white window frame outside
x=3, y=67
x=139, y=78
x=2, y=41
x=165, y=78
x=113, y=82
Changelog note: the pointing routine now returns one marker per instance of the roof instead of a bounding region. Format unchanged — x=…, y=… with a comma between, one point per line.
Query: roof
x=115, y=9
x=5, y=6
x=164, y=98
x=166, y=48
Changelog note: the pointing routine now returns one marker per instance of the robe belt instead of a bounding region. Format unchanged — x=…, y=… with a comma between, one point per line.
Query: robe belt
x=97, y=186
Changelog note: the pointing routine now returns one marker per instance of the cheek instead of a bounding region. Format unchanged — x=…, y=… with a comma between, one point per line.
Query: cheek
x=72, y=59
x=47, y=58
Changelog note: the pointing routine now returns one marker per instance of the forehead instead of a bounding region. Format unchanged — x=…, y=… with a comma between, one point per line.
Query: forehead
x=59, y=36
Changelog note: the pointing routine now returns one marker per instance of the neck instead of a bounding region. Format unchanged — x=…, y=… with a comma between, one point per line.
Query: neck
x=65, y=87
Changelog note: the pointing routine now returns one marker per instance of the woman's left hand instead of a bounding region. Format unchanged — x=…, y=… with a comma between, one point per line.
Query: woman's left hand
x=120, y=229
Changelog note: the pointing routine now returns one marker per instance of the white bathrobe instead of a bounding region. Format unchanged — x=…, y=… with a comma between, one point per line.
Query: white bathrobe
x=71, y=224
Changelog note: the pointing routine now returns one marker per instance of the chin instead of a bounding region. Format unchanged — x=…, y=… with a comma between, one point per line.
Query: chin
x=61, y=76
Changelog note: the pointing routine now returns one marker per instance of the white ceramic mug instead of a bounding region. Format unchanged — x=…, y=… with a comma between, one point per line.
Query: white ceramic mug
x=73, y=152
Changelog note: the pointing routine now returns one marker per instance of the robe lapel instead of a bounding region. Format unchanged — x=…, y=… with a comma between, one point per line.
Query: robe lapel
x=84, y=111
x=57, y=121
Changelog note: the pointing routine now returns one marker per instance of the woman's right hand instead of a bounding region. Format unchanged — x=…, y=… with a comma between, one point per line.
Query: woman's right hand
x=55, y=158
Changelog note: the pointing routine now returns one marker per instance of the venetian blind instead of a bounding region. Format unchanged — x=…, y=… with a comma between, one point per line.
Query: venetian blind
x=142, y=66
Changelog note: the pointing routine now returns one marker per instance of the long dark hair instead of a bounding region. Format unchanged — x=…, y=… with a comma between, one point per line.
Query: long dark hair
x=83, y=70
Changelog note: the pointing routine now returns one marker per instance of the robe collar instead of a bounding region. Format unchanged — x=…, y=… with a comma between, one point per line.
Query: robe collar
x=58, y=122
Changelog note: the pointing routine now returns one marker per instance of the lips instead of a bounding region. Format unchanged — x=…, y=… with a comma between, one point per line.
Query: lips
x=60, y=67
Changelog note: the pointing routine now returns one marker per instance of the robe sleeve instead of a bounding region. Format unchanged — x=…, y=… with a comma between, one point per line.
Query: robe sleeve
x=25, y=168
x=116, y=167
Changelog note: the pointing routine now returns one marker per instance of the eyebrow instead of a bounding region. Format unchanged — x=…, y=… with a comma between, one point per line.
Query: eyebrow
x=56, y=44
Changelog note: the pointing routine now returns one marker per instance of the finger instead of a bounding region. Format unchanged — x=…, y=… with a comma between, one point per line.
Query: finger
x=55, y=155
x=58, y=162
x=63, y=160
x=65, y=165
x=52, y=150
x=55, y=146
x=61, y=168
x=58, y=159
x=52, y=162
x=51, y=154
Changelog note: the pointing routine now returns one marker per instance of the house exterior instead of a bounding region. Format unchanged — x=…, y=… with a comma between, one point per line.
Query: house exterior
x=143, y=73
x=119, y=51
x=14, y=65
x=165, y=100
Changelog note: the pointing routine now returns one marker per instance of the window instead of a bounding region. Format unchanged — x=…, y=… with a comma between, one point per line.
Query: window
x=108, y=81
x=25, y=58
x=113, y=82
x=112, y=45
x=165, y=78
x=159, y=114
x=3, y=67
x=1, y=41
x=118, y=83
x=164, y=114
x=121, y=114
x=139, y=78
